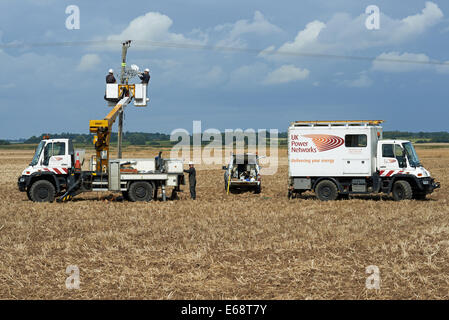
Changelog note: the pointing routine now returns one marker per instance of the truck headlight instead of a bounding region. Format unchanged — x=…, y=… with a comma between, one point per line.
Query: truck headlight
x=22, y=179
x=425, y=182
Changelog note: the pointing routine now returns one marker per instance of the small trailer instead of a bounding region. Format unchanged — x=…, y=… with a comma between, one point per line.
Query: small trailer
x=55, y=172
x=243, y=173
x=339, y=158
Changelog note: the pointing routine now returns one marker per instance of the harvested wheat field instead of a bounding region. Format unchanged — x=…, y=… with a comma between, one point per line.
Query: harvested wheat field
x=239, y=246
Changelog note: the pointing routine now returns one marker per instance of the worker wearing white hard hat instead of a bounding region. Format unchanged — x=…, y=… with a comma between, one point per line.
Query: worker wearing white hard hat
x=110, y=77
x=145, y=76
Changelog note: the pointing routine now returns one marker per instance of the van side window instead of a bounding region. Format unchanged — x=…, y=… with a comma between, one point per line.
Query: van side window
x=355, y=140
x=387, y=151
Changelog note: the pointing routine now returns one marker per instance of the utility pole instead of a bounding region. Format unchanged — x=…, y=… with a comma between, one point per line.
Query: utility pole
x=125, y=46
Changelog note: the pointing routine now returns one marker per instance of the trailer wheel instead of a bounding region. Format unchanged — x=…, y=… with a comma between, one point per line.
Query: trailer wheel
x=42, y=191
x=326, y=190
x=402, y=190
x=140, y=191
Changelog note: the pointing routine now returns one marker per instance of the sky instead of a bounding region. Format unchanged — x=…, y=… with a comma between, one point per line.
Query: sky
x=264, y=82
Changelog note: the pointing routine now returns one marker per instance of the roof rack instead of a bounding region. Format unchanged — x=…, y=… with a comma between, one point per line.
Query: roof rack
x=337, y=123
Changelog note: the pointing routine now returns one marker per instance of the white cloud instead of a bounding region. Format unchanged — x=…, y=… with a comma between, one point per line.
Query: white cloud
x=443, y=68
x=396, y=62
x=248, y=75
x=259, y=25
x=363, y=81
x=285, y=74
x=152, y=26
x=419, y=23
x=211, y=77
x=34, y=66
x=343, y=33
x=88, y=61
x=305, y=38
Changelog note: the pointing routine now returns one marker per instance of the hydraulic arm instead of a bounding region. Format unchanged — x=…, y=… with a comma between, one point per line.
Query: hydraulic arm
x=103, y=130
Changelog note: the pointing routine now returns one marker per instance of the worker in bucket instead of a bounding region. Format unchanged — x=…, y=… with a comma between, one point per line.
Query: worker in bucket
x=145, y=76
x=110, y=77
x=192, y=180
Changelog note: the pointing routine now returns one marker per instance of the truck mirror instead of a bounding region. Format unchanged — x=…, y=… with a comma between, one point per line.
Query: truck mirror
x=224, y=168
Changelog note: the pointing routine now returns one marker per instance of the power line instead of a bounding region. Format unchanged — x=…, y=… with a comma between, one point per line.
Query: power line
x=195, y=46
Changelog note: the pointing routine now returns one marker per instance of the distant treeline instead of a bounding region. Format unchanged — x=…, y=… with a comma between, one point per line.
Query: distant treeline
x=162, y=139
x=129, y=138
x=418, y=137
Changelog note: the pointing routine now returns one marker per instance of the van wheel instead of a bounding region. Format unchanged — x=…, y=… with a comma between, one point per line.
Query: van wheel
x=402, y=190
x=326, y=190
x=140, y=191
x=42, y=191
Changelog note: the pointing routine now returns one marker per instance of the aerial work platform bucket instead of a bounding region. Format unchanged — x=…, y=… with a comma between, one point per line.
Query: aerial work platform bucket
x=115, y=91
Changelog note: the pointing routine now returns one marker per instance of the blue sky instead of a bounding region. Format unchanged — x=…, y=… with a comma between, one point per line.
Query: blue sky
x=59, y=89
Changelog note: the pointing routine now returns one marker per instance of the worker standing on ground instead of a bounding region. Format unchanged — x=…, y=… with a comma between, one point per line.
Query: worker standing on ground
x=110, y=77
x=192, y=180
x=145, y=77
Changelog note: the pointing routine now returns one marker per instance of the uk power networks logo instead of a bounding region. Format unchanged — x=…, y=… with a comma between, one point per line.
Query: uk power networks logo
x=325, y=142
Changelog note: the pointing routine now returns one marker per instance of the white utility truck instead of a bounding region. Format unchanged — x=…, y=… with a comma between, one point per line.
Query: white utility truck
x=55, y=171
x=338, y=158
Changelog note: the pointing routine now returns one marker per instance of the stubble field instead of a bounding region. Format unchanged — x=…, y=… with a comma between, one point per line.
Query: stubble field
x=239, y=246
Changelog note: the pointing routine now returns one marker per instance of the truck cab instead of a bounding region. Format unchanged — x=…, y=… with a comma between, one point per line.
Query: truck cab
x=52, y=154
x=397, y=159
x=46, y=174
x=399, y=156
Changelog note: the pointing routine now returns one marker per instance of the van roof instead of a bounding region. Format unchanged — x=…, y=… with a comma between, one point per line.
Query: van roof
x=331, y=123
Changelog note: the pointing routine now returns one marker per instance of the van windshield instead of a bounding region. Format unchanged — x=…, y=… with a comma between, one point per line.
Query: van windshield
x=37, y=153
x=411, y=154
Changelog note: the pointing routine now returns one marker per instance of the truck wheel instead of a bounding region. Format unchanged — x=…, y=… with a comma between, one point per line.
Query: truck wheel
x=326, y=190
x=258, y=189
x=402, y=190
x=140, y=191
x=42, y=191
